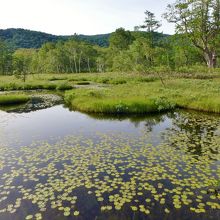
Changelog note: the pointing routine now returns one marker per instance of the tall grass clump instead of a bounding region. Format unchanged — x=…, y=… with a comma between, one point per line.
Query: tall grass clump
x=13, y=99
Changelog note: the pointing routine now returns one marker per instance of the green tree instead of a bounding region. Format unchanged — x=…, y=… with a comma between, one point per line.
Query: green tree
x=72, y=49
x=199, y=21
x=121, y=39
x=142, y=53
x=150, y=23
x=22, y=59
x=81, y=56
x=5, y=58
x=43, y=58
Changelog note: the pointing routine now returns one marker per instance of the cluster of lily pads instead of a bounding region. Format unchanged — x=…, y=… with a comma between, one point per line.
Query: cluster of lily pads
x=119, y=172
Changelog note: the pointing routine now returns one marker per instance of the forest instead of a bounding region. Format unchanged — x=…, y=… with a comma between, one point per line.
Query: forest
x=193, y=48
x=137, y=51
x=20, y=38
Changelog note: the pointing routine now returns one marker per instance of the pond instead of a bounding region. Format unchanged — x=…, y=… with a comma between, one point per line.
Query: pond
x=57, y=164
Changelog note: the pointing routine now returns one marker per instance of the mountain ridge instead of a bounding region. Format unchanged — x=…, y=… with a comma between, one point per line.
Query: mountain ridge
x=24, y=38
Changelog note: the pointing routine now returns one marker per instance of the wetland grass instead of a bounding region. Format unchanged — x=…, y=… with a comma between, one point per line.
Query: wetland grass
x=13, y=99
x=121, y=93
x=141, y=98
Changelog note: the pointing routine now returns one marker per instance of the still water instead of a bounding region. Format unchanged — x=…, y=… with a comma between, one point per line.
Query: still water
x=57, y=164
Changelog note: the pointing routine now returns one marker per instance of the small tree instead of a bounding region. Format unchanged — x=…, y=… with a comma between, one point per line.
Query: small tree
x=121, y=39
x=199, y=20
x=150, y=23
x=22, y=63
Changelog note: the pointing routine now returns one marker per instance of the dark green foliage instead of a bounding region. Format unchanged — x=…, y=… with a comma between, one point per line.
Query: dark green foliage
x=21, y=38
x=101, y=40
x=139, y=52
x=121, y=39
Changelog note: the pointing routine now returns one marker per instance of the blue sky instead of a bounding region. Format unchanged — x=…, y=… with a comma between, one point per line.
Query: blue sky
x=66, y=17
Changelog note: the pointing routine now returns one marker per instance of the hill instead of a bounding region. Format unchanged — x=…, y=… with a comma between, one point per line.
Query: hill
x=21, y=38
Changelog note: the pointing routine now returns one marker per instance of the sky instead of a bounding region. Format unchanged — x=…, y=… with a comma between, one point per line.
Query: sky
x=66, y=17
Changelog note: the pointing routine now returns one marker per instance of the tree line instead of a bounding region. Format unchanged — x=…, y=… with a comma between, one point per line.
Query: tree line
x=196, y=43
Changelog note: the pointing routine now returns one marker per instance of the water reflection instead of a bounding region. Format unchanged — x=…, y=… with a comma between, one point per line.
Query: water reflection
x=196, y=132
x=59, y=122
x=54, y=162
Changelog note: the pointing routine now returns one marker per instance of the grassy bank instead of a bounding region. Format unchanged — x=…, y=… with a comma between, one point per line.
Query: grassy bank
x=33, y=82
x=140, y=98
x=13, y=99
x=68, y=81
x=130, y=93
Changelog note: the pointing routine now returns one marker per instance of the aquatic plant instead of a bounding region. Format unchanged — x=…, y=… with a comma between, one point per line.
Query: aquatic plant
x=120, y=172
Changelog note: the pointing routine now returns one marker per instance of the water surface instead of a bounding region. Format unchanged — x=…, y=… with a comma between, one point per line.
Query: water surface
x=59, y=164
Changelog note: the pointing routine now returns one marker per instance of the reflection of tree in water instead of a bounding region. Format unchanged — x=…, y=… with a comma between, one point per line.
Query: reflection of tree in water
x=150, y=120
x=196, y=132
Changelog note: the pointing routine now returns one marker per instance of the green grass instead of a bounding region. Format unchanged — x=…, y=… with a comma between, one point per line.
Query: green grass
x=13, y=99
x=83, y=83
x=34, y=82
x=128, y=93
x=141, y=98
